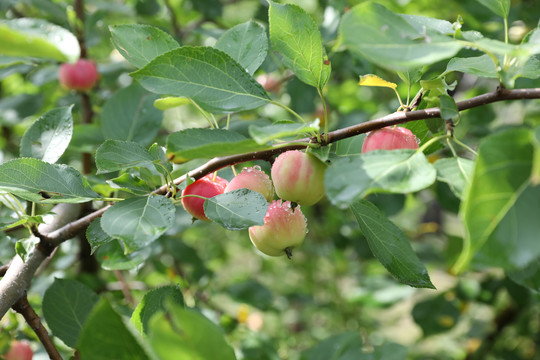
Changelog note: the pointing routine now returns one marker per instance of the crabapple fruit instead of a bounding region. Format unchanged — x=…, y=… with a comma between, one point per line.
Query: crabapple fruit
x=253, y=178
x=207, y=186
x=82, y=75
x=19, y=350
x=298, y=177
x=284, y=229
x=390, y=138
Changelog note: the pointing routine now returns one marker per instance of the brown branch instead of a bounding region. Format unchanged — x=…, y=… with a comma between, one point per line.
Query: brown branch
x=125, y=287
x=23, y=307
x=17, y=279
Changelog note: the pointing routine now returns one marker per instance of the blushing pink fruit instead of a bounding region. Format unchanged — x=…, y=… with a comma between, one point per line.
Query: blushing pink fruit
x=19, y=350
x=82, y=75
x=208, y=187
x=298, y=177
x=284, y=229
x=390, y=138
x=253, y=178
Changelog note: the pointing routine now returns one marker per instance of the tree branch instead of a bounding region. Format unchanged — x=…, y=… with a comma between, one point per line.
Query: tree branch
x=17, y=279
x=23, y=307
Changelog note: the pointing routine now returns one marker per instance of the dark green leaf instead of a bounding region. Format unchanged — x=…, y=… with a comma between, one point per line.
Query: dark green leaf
x=448, y=107
x=514, y=242
x=208, y=76
x=334, y=347
x=114, y=155
x=502, y=172
x=206, y=143
x=138, y=221
x=106, y=335
x=295, y=35
x=251, y=292
x=237, y=210
x=129, y=115
x=395, y=171
x=186, y=334
x=387, y=39
x=390, y=245
x=246, y=43
x=37, y=38
x=96, y=236
x=152, y=303
x=436, y=315
x=66, y=306
x=111, y=257
x=38, y=181
x=140, y=44
x=49, y=136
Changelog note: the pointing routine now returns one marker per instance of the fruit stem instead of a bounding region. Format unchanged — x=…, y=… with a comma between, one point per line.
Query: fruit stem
x=464, y=146
x=285, y=107
x=203, y=113
x=288, y=251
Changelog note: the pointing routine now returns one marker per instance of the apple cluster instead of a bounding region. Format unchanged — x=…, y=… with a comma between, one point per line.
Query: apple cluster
x=297, y=179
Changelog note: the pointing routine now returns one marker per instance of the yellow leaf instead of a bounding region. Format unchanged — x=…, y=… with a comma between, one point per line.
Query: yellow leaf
x=374, y=80
x=170, y=102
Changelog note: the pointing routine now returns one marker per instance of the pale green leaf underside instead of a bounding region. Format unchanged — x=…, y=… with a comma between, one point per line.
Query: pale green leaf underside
x=138, y=221
x=395, y=171
x=115, y=155
x=264, y=134
x=237, y=210
x=208, y=76
x=457, y=172
x=390, y=245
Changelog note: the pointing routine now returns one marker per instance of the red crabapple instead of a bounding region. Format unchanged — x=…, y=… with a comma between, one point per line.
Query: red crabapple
x=253, y=178
x=298, y=177
x=390, y=138
x=208, y=187
x=81, y=75
x=19, y=350
x=284, y=229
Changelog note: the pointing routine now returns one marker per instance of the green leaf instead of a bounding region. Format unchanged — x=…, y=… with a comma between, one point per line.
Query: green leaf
x=528, y=276
x=37, y=181
x=388, y=40
x=395, y=171
x=482, y=66
x=170, y=102
x=437, y=315
x=253, y=293
x=207, y=143
x=37, y=38
x=390, y=245
x=498, y=7
x=334, y=347
x=502, y=172
x=140, y=44
x=514, y=242
x=208, y=76
x=152, y=303
x=111, y=256
x=25, y=247
x=265, y=134
x=246, y=43
x=186, y=334
x=457, y=172
x=448, y=107
x=237, y=210
x=295, y=35
x=138, y=221
x=106, y=335
x=96, y=236
x=49, y=136
x=130, y=183
x=66, y=306
x=115, y=155
x=129, y=115
x=423, y=23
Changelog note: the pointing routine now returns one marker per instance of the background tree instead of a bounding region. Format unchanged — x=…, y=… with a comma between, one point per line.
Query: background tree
x=413, y=252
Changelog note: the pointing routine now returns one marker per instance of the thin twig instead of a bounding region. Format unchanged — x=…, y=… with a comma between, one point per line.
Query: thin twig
x=23, y=307
x=125, y=287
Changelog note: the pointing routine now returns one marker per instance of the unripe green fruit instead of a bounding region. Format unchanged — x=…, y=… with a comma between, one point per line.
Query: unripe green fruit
x=298, y=177
x=19, y=350
x=284, y=229
x=208, y=187
x=390, y=138
x=253, y=178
